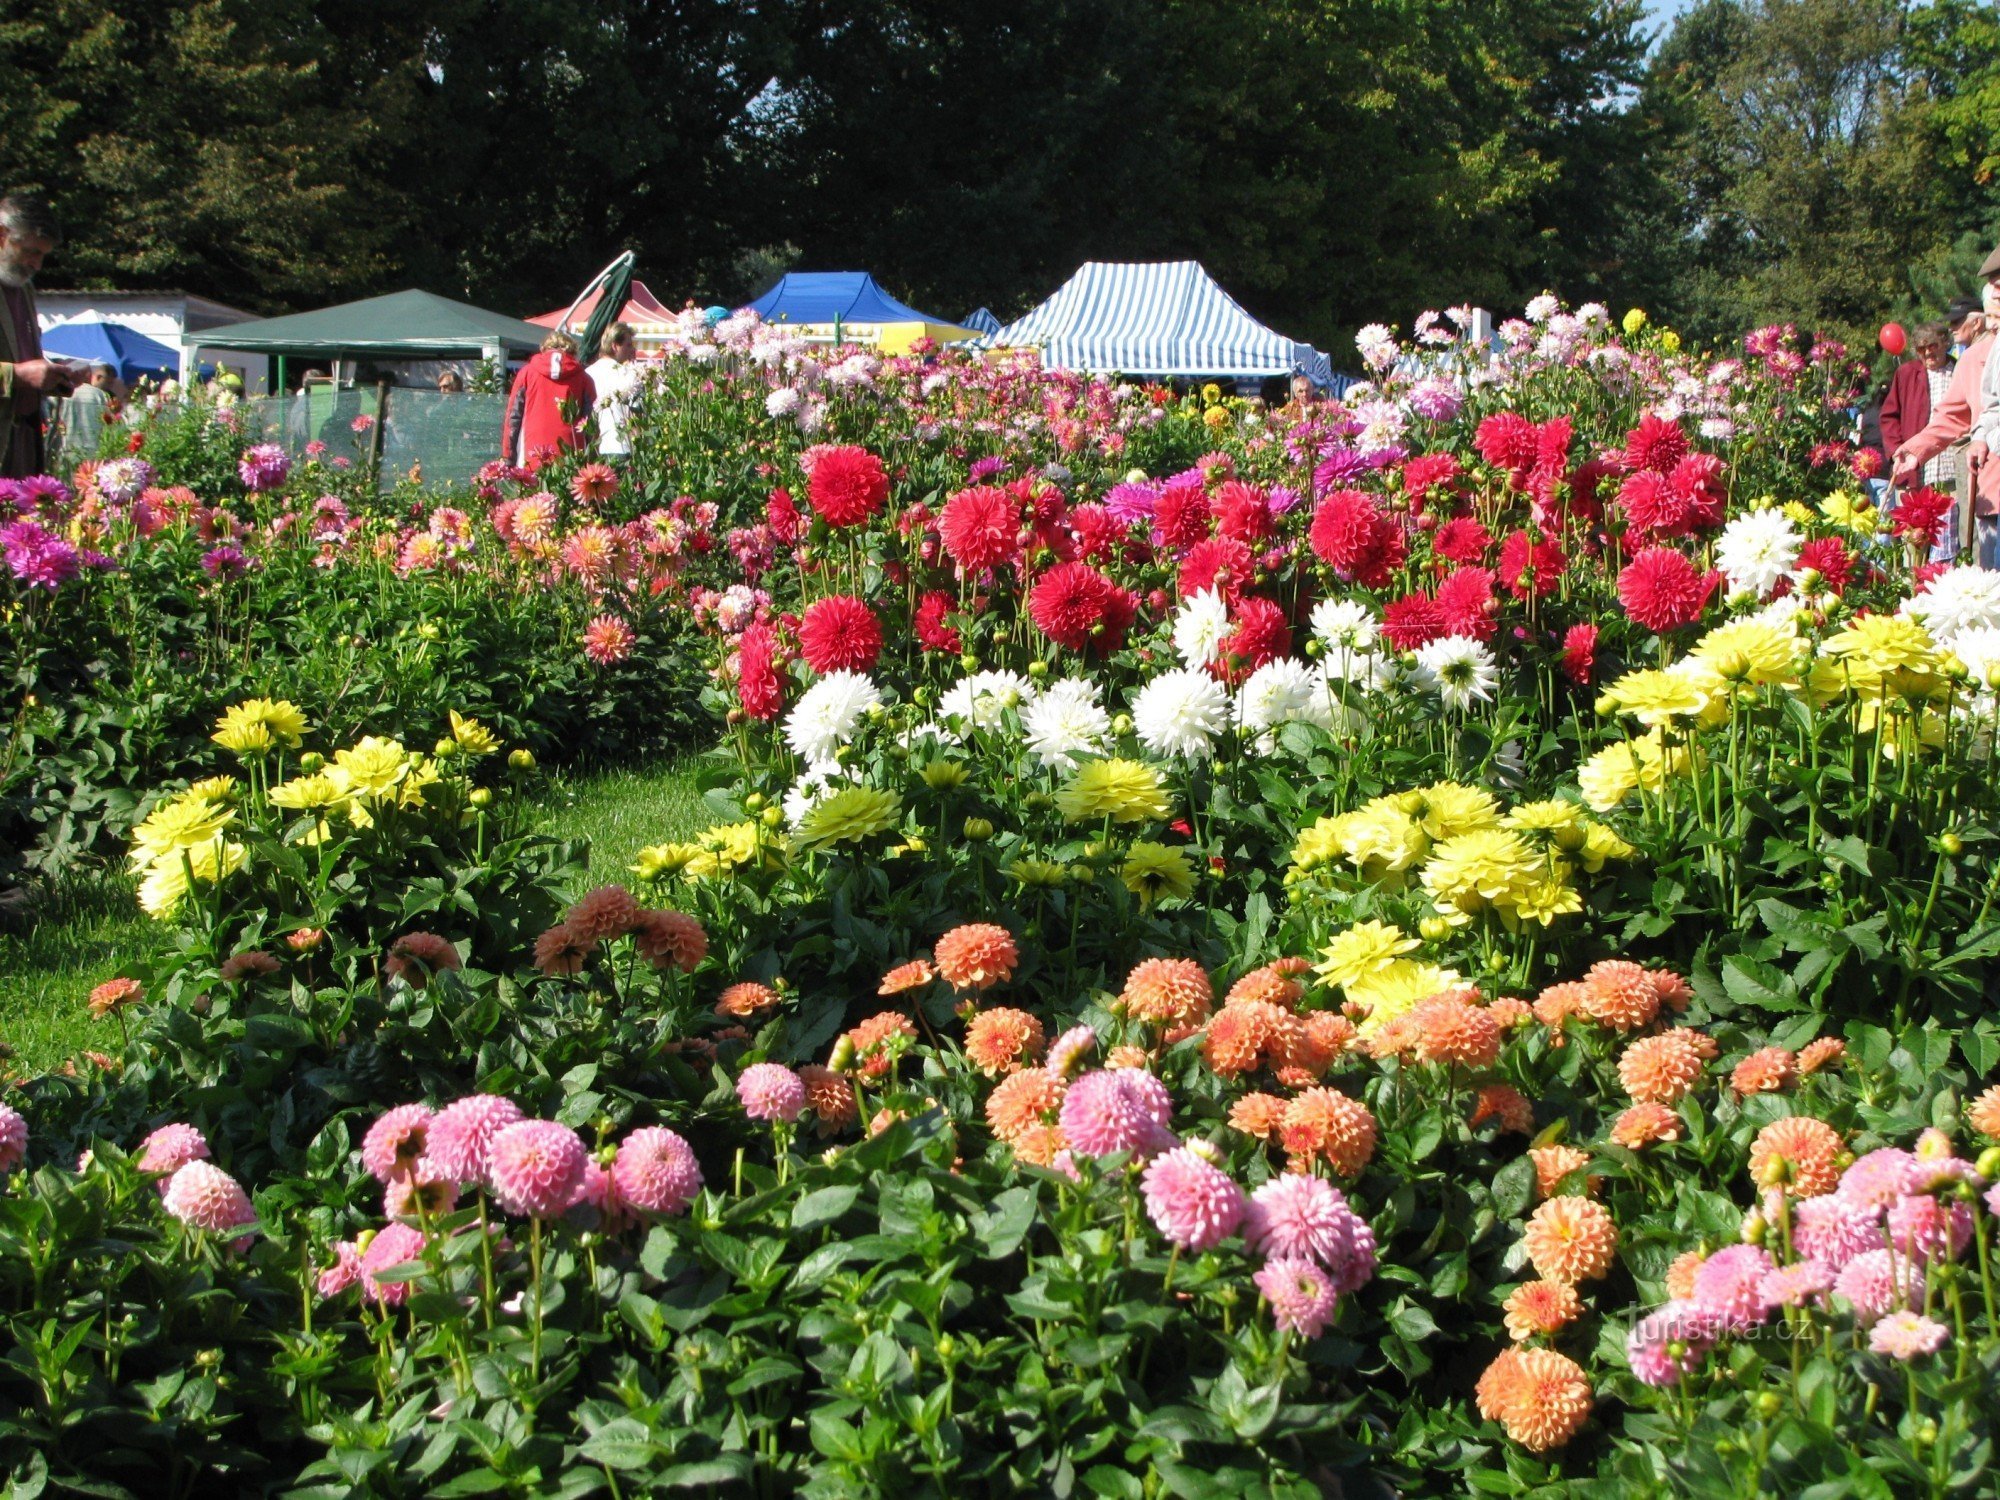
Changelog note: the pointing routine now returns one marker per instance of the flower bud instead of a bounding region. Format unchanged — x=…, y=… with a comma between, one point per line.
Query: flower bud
x=1037, y=670
x=1755, y=1228
x=771, y=817
x=481, y=796
x=1122, y=724
x=968, y=662
x=1950, y=843
x=1769, y=1404
x=1434, y=929
x=979, y=830
x=752, y=801
x=521, y=760
x=1988, y=1164
x=312, y=763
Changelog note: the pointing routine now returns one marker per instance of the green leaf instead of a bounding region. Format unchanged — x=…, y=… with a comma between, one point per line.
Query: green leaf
x=824, y=1205
x=1513, y=1187
x=621, y=1444
x=1750, y=981
x=724, y=1468
x=1001, y=1228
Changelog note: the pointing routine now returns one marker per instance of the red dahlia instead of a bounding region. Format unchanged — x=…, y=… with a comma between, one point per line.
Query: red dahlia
x=1507, y=440
x=1077, y=607
x=1465, y=601
x=1461, y=540
x=1655, y=444
x=1096, y=531
x=847, y=485
x=1244, y=511
x=840, y=633
x=1428, y=472
x=1697, y=480
x=757, y=683
x=980, y=528
x=1828, y=556
x=931, y=626
x=1529, y=568
x=1662, y=590
x=1920, y=513
x=1412, y=621
x=1220, y=563
x=1183, y=515
x=1579, y=658
x=1262, y=634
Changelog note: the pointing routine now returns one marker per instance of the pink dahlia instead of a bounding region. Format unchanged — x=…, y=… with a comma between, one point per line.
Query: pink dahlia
x=1926, y=1228
x=1876, y=1282
x=537, y=1168
x=1191, y=1201
x=656, y=1172
x=393, y=1245
x=1728, y=1284
x=1121, y=1109
x=1907, y=1336
x=395, y=1141
x=1879, y=1178
x=13, y=1138
x=771, y=1091
x=426, y=1190
x=1301, y=1294
x=1296, y=1215
x=461, y=1134
x=980, y=528
x=208, y=1198
x=1802, y=1283
x=343, y=1273
x=170, y=1148
x=608, y=640
x=1669, y=1342
x=1066, y=1052
x=1834, y=1229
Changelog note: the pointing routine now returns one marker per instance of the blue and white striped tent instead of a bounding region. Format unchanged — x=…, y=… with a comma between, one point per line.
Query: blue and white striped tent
x=1155, y=319
x=980, y=320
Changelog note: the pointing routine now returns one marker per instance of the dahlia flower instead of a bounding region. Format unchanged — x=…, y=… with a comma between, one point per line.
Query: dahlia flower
x=1124, y=1109
x=1301, y=1294
x=1907, y=1336
x=1667, y=1344
x=165, y=1151
x=1729, y=1284
x=1296, y=1215
x=1877, y=1282
x=1539, y=1396
x=536, y=1167
x=393, y=1245
x=204, y=1196
x=771, y=1091
x=828, y=713
x=1064, y=723
x=1194, y=1203
x=14, y=1139
x=395, y=1141
x=1179, y=714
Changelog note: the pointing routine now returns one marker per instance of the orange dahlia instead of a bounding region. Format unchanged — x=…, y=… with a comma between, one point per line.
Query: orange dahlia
x=1659, y=1069
x=1325, y=1123
x=1239, y=1037
x=1536, y=1309
x=1168, y=992
x=1002, y=1040
x=670, y=939
x=1704, y=1046
x=913, y=975
x=976, y=956
x=115, y=994
x=1554, y=1165
x=607, y=912
x=1023, y=1100
x=1330, y=1033
x=1510, y=1011
x=1258, y=1115
x=746, y=1000
x=1508, y=1105
x=1644, y=1124
x=1674, y=991
x=1822, y=1053
x=1799, y=1154
x=1680, y=1273
x=879, y=1041
x=1038, y=1145
x=1451, y=1031
x=1539, y=1396
x=1765, y=1071
x=830, y=1097
x=1620, y=995
x=1269, y=985
x=1983, y=1113
x=1559, y=1002
x=1571, y=1239
x=1127, y=1056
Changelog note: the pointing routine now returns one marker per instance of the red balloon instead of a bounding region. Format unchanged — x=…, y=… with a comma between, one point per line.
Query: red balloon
x=1894, y=340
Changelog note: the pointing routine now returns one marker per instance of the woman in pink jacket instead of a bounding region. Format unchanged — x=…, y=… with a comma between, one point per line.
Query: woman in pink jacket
x=1952, y=420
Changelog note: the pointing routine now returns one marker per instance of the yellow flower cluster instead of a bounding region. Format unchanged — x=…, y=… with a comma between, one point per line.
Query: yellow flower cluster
x=258, y=726
x=1849, y=510
x=183, y=842
x=719, y=853
x=1467, y=854
x=1369, y=964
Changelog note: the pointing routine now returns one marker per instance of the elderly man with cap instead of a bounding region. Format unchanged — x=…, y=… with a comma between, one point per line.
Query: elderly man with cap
x=28, y=232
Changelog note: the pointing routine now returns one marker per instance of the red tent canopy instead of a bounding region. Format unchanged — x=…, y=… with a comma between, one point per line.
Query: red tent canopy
x=641, y=306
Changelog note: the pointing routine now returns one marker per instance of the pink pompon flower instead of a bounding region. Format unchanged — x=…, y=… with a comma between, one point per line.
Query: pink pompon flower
x=656, y=1171
x=537, y=1168
x=771, y=1091
x=1067, y=1052
x=1800, y=1284
x=208, y=1198
x=13, y=1138
x=343, y=1273
x=1926, y=1228
x=1879, y=1178
x=461, y=1134
x=1297, y=1215
x=1729, y=1284
x=1668, y=1343
x=1123, y=1109
x=1876, y=1282
x=1907, y=1335
x=395, y=1141
x=426, y=1189
x=1191, y=1201
x=393, y=1245
x=1300, y=1292
x=170, y=1148
x=1834, y=1229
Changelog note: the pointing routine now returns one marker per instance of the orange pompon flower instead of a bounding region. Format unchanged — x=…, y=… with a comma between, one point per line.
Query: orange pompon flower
x=1258, y=1115
x=746, y=1000
x=1268, y=985
x=1659, y=1069
x=1674, y=991
x=1509, y=1012
x=1645, y=1124
x=1819, y=1054
x=1329, y=1032
x=1448, y=1030
x=1508, y=1105
x=878, y=1041
x=1539, y=1396
x=1765, y=1071
x=115, y=994
x=1168, y=992
x=1536, y=1309
x=1983, y=1113
x=1324, y=1123
x=1038, y=1145
x=976, y=956
x=563, y=950
x=913, y=975
x=1555, y=1165
x=1023, y=1100
x=1127, y=1056
x=1239, y=1037
x=1620, y=995
x=1680, y=1273
x=607, y=912
x=1704, y=1046
x=1571, y=1239
x=830, y=1097
x=1003, y=1040
x=1559, y=1002
x=670, y=938
x=1799, y=1154
x=1290, y=967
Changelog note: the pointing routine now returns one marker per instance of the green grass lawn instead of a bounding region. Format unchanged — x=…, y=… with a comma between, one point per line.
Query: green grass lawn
x=92, y=929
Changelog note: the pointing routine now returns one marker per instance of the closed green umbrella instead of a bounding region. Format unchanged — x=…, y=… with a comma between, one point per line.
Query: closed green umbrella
x=613, y=285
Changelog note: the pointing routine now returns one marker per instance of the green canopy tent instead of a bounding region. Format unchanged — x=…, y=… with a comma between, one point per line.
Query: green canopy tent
x=402, y=325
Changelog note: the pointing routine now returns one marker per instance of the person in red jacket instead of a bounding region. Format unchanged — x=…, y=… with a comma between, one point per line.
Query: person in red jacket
x=549, y=404
x=1916, y=387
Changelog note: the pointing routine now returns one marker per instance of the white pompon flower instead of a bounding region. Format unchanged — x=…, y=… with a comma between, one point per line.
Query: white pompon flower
x=1542, y=308
x=1284, y=691
x=1180, y=713
x=982, y=700
x=782, y=402
x=1757, y=551
x=1065, y=722
x=1957, y=600
x=1458, y=669
x=828, y=713
x=1199, y=627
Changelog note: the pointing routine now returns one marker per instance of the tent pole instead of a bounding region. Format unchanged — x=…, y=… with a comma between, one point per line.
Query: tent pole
x=281, y=377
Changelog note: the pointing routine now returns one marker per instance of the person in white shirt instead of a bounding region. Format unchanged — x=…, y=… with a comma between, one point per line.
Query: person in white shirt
x=617, y=384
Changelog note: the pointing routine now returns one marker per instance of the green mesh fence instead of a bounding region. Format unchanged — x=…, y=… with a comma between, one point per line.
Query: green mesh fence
x=443, y=438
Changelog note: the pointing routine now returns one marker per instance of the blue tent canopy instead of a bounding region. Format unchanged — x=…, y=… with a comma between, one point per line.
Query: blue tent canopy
x=835, y=296
x=130, y=352
x=980, y=320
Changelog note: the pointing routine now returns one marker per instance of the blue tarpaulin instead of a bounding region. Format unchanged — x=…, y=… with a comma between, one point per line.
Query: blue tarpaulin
x=130, y=352
x=835, y=296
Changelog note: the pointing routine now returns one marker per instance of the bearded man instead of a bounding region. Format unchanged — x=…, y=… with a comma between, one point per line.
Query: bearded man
x=28, y=233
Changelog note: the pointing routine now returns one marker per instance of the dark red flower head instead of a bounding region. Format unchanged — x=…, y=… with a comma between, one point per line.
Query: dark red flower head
x=930, y=623
x=1461, y=540
x=1220, y=563
x=1466, y=603
x=1412, y=621
x=1078, y=608
x=1182, y=516
x=1921, y=513
x=1529, y=568
x=1655, y=444
x=757, y=682
x=1579, y=657
x=1507, y=440
x=1261, y=634
x=1244, y=512
x=847, y=485
x=840, y=633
